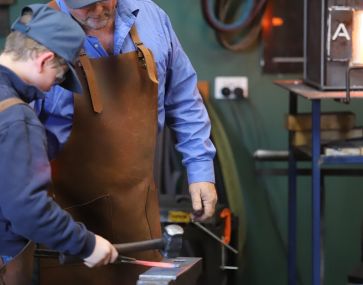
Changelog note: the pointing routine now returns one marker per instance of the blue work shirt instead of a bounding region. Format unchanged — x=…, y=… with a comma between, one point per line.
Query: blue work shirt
x=179, y=102
x=26, y=210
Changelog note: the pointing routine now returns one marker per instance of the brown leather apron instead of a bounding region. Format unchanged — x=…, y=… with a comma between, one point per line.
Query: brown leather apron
x=104, y=174
x=19, y=270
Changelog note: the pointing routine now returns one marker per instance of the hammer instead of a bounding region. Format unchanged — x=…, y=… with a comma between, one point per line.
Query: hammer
x=170, y=244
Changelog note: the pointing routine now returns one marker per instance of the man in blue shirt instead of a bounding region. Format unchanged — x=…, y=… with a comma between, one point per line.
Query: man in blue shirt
x=111, y=155
x=33, y=60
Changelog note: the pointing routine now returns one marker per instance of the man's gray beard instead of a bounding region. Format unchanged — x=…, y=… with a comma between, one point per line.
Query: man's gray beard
x=87, y=26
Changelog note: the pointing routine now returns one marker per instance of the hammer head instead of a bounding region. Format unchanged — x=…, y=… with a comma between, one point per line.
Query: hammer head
x=173, y=240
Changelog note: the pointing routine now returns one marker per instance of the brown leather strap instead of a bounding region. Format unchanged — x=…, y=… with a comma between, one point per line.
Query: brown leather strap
x=92, y=84
x=53, y=4
x=10, y=102
x=87, y=67
x=146, y=53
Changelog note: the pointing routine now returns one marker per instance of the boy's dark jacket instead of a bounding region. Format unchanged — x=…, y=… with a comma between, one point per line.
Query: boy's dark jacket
x=26, y=210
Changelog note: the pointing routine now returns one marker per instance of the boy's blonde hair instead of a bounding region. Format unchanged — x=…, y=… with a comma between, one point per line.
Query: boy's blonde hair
x=22, y=47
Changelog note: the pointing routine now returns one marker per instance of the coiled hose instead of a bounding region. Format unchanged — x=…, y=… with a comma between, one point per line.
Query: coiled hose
x=247, y=27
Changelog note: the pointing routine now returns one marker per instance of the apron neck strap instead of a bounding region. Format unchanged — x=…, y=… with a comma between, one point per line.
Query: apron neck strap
x=94, y=89
x=10, y=102
x=54, y=5
x=145, y=55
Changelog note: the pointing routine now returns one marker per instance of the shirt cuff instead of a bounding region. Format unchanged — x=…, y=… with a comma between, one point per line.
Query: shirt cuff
x=201, y=171
x=89, y=246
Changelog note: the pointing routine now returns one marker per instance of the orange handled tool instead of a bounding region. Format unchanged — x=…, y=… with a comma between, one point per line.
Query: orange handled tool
x=227, y=216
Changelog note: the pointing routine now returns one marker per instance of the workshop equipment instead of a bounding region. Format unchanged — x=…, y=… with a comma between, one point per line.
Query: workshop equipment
x=175, y=204
x=5, y=17
x=224, y=241
x=329, y=43
x=170, y=244
x=226, y=214
x=186, y=274
x=220, y=15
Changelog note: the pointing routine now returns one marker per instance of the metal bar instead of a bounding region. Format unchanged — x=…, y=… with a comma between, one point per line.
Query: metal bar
x=187, y=274
x=347, y=80
x=215, y=237
x=322, y=225
x=125, y=259
x=307, y=171
x=292, y=212
x=317, y=274
x=331, y=160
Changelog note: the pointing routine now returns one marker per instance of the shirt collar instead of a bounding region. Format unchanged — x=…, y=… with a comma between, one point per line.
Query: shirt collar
x=127, y=7
x=25, y=91
x=126, y=14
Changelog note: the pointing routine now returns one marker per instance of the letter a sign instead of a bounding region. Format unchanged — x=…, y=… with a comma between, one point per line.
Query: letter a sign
x=339, y=43
x=341, y=31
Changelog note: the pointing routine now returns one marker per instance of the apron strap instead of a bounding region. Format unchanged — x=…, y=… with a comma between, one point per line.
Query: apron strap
x=92, y=83
x=53, y=4
x=10, y=102
x=90, y=75
x=146, y=55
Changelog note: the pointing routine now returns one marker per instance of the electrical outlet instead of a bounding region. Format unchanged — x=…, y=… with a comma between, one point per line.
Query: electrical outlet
x=230, y=87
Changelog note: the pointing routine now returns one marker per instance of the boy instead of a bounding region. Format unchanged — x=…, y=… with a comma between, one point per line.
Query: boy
x=39, y=52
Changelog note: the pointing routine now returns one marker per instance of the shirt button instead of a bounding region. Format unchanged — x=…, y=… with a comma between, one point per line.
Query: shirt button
x=96, y=45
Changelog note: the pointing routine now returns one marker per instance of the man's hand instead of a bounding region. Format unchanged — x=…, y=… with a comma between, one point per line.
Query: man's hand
x=204, y=199
x=103, y=253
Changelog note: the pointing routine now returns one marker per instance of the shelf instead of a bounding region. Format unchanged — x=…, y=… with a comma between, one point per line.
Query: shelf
x=305, y=153
x=308, y=92
x=342, y=159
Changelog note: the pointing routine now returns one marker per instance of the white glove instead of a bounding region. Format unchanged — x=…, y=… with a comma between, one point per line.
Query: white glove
x=103, y=253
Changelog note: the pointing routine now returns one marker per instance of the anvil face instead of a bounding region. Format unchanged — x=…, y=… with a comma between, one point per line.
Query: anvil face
x=186, y=274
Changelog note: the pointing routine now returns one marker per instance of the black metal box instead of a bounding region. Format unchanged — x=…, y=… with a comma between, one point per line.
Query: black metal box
x=328, y=43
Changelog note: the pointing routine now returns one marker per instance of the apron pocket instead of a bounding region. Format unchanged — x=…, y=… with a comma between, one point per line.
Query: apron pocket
x=96, y=214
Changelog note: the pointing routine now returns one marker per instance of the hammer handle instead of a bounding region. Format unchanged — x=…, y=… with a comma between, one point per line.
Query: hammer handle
x=121, y=248
x=139, y=246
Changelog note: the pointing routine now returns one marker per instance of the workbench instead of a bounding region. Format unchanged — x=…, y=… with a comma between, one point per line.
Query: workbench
x=298, y=89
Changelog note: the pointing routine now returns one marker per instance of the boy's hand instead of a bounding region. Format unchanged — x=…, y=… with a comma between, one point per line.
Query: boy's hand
x=204, y=199
x=103, y=253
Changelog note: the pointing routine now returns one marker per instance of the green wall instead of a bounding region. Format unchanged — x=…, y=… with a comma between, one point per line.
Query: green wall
x=257, y=123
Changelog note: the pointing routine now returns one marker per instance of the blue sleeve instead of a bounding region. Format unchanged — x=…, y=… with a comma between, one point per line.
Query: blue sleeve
x=187, y=115
x=56, y=114
x=24, y=199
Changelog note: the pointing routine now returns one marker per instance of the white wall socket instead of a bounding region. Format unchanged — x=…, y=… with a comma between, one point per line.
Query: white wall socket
x=230, y=87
